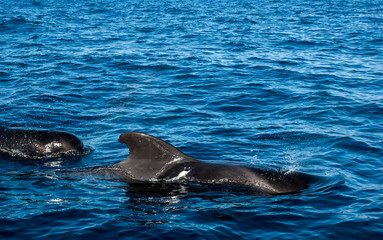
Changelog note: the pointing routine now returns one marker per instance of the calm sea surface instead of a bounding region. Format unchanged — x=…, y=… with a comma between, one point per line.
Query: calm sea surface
x=293, y=85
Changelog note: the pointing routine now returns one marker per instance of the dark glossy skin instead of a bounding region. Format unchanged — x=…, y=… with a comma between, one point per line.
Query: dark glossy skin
x=35, y=144
x=151, y=159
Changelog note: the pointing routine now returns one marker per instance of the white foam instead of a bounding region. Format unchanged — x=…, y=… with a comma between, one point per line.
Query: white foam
x=182, y=174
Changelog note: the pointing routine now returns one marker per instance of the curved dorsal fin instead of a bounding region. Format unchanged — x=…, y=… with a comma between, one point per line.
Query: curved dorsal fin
x=149, y=156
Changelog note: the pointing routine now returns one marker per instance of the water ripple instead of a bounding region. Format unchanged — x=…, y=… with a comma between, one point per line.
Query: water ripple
x=293, y=85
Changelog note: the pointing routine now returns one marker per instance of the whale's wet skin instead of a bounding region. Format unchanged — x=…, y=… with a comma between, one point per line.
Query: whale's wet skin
x=150, y=160
x=39, y=144
x=153, y=160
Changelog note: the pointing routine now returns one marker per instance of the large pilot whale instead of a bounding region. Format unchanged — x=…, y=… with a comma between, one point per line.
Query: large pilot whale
x=153, y=160
x=38, y=144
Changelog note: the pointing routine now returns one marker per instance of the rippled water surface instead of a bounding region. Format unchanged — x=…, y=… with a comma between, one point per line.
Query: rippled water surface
x=292, y=85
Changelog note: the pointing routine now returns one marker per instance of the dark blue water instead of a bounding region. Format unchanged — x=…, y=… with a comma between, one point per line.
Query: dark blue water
x=293, y=85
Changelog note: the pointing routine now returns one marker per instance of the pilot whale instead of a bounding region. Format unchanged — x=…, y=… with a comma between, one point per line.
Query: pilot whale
x=151, y=159
x=38, y=144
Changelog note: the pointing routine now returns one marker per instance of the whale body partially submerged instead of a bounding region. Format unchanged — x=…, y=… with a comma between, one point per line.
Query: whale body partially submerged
x=39, y=144
x=153, y=160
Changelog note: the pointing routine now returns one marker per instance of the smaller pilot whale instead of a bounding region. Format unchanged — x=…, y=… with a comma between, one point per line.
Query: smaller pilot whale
x=38, y=144
x=154, y=160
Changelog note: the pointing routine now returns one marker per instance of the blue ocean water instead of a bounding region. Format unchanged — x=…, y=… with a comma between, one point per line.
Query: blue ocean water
x=293, y=85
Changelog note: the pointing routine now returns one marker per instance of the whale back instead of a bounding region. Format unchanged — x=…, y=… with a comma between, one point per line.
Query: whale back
x=149, y=157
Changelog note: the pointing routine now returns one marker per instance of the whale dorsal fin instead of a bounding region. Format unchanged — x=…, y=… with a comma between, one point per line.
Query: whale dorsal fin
x=149, y=156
